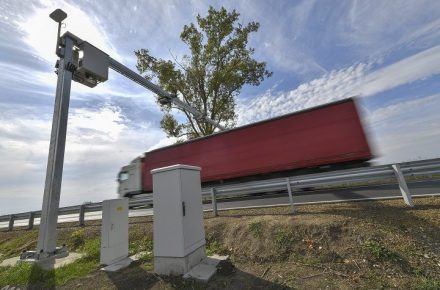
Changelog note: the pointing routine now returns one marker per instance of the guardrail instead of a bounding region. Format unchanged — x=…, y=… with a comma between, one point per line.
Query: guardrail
x=287, y=184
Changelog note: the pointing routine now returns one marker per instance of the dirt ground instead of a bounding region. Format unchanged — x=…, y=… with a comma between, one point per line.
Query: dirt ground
x=358, y=245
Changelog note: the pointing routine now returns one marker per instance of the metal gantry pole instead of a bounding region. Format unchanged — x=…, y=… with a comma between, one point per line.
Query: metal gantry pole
x=47, y=237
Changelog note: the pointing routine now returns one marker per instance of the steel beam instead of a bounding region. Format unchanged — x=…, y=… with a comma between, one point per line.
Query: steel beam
x=47, y=237
x=128, y=73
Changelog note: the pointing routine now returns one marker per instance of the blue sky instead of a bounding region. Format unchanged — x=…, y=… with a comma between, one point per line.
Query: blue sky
x=387, y=52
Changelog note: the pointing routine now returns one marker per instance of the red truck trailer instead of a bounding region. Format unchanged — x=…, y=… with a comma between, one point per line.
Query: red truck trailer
x=325, y=135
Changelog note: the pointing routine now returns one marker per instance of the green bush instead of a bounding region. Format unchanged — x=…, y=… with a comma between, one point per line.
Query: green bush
x=256, y=228
x=379, y=251
x=282, y=237
x=77, y=239
x=92, y=249
x=214, y=247
x=142, y=245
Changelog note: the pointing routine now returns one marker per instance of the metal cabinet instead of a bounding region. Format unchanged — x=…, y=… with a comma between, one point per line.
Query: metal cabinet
x=114, y=235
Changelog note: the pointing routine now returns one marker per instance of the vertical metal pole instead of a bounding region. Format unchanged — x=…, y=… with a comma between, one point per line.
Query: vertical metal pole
x=49, y=214
x=402, y=185
x=214, y=201
x=11, y=222
x=289, y=190
x=82, y=211
x=31, y=220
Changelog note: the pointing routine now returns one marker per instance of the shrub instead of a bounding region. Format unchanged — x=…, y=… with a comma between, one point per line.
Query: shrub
x=379, y=251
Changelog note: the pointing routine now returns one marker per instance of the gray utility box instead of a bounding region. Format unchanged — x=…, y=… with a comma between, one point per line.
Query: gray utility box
x=92, y=65
x=179, y=234
x=114, y=231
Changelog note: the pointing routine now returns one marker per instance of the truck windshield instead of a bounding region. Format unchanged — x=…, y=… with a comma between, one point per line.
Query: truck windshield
x=123, y=176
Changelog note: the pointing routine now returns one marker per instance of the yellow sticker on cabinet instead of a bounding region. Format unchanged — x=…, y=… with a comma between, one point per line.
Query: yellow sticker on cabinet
x=119, y=209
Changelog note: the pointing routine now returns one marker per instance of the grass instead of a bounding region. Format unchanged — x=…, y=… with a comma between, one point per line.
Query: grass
x=376, y=281
x=144, y=244
x=77, y=239
x=256, y=228
x=379, y=251
x=24, y=274
x=214, y=247
x=427, y=284
x=282, y=237
x=14, y=246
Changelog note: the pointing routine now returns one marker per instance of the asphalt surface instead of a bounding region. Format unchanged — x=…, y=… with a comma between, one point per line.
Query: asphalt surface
x=328, y=195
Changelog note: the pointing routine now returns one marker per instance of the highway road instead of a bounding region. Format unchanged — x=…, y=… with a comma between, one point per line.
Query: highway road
x=431, y=187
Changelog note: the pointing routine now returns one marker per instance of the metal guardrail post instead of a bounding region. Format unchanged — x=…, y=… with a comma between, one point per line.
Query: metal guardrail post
x=214, y=201
x=11, y=222
x=82, y=212
x=289, y=190
x=402, y=185
x=31, y=220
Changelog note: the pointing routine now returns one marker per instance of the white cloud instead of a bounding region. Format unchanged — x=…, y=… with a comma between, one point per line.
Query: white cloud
x=40, y=31
x=377, y=27
x=383, y=115
x=406, y=130
x=281, y=41
x=417, y=67
x=99, y=142
x=332, y=86
x=359, y=79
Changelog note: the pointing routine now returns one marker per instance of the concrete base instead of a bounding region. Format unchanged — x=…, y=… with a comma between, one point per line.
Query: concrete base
x=215, y=259
x=206, y=269
x=72, y=257
x=202, y=272
x=179, y=265
x=118, y=265
x=123, y=263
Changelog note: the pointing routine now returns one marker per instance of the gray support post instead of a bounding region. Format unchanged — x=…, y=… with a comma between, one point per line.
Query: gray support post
x=289, y=190
x=31, y=220
x=47, y=236
x=82, y=211
x=402, y=185
x=11, y=222
x=214, y=201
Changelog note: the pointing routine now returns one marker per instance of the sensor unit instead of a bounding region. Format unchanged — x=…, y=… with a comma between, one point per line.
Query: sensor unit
x=91, y=65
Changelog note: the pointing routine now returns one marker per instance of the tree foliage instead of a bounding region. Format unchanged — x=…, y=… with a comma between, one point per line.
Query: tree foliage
x=211, y=76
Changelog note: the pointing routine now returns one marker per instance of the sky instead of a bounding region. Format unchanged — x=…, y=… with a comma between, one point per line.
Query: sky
x=385, y=52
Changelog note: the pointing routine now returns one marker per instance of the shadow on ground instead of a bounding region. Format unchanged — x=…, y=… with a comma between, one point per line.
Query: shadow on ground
x=136, y=277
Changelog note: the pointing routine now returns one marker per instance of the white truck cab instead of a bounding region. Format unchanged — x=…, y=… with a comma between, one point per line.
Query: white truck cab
x=130, y=179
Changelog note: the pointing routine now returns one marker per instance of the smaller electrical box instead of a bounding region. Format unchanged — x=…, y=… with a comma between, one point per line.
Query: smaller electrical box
x=114, y=231
x=91, y=65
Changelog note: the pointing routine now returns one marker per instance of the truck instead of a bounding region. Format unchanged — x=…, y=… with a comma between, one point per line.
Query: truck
x=317, y=139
